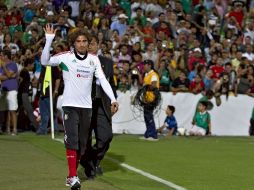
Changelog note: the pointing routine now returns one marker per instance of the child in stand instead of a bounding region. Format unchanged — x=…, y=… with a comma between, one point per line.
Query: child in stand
x=201, y=121
x=170, y=123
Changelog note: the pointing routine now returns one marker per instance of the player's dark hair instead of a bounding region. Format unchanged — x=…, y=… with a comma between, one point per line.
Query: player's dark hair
x=171, y=108
x=76, y=34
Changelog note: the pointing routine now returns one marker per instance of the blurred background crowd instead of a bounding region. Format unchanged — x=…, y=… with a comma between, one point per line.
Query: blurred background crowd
x=196, y=46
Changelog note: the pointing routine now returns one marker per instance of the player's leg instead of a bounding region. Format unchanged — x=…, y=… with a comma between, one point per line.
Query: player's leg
x=71, y=140
x=86, y=160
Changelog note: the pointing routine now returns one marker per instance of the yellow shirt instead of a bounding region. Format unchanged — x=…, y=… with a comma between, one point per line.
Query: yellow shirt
x=149, y=78
x=152, y=77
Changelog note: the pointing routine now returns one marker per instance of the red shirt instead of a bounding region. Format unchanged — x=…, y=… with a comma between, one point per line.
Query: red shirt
x=194, y=84
x=239, y=16
x=192, y=60
x=149, y=31
x=217, y=71
x=165, y=30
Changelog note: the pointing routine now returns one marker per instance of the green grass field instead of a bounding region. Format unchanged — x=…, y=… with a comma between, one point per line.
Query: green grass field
x=29, y=162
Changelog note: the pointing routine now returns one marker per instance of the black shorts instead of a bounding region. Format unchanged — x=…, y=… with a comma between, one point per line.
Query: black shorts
x=76, y=122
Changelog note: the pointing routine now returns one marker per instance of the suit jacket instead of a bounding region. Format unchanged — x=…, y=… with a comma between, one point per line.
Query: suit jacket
x=107, y=67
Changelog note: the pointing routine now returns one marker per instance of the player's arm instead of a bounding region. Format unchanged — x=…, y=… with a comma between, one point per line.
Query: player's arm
x=105, y=84
x=45, y=56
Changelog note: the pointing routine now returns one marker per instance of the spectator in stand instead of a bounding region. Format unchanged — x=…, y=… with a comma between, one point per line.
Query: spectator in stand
x=9, y=80
x=237, y=60
x=237, y=14
x=163, y=72
x=140, y=18
x=197, y=85
x=150, y=53
x=8, y=44
x=181, y=83
x=149, y=33
x=249, y=52
x=120, y=25
x=196, y=57
x=217, y=69
x=123, y=56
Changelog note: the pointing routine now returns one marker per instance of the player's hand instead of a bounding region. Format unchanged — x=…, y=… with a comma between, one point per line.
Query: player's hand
x=114, y=108
x=49, y=29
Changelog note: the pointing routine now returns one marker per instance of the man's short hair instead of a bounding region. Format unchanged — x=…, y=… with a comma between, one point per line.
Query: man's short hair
x=91, y=37
x=6, y=52
x=149, y=62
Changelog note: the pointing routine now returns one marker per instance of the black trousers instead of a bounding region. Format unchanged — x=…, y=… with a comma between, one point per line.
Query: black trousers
x=77, y=127
x=251, y=130
x=102, y=128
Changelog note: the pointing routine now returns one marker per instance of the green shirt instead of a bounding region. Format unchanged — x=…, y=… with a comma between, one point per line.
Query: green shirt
x=164, y=75
x=142, y=20
x=202, y=119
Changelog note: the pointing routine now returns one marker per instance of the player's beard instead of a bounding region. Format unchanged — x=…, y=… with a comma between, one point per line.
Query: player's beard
x=83, y=54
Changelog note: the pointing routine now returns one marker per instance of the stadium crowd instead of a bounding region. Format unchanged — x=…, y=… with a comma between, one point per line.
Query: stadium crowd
x=196, y=46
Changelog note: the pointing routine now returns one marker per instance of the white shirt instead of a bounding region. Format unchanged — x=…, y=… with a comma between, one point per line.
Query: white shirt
x=77, y=75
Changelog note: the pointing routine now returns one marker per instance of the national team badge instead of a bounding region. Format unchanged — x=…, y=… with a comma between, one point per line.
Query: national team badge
x=91, y=63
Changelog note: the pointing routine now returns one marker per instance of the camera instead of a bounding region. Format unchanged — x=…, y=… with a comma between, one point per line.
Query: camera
x=134, y=72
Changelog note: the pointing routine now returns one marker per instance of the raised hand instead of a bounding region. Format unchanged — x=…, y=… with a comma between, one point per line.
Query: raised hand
x=49, y=29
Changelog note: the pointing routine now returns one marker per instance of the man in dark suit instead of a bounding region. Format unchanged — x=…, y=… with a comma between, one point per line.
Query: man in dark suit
x=101, y=122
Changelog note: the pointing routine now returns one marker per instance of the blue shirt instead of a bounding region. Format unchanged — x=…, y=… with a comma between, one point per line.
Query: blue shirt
x=170, y=122
x=121, y=28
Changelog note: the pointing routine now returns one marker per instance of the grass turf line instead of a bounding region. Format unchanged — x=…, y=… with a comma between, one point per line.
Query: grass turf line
x=38, y=162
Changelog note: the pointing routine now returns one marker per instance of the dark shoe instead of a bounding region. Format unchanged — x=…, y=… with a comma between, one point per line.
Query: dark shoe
x=99, y=170
x=90, y=175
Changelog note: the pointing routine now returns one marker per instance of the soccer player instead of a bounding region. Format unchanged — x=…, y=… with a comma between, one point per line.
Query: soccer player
x=78, y=68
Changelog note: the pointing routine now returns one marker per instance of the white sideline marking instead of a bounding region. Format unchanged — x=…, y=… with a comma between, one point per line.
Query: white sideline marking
x=141, y=172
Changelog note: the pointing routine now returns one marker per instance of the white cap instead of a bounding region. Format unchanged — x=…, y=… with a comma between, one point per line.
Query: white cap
x=148, y=20
x=50, y=13
x=212, y=22
x=197, y=49
x=122, y=16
